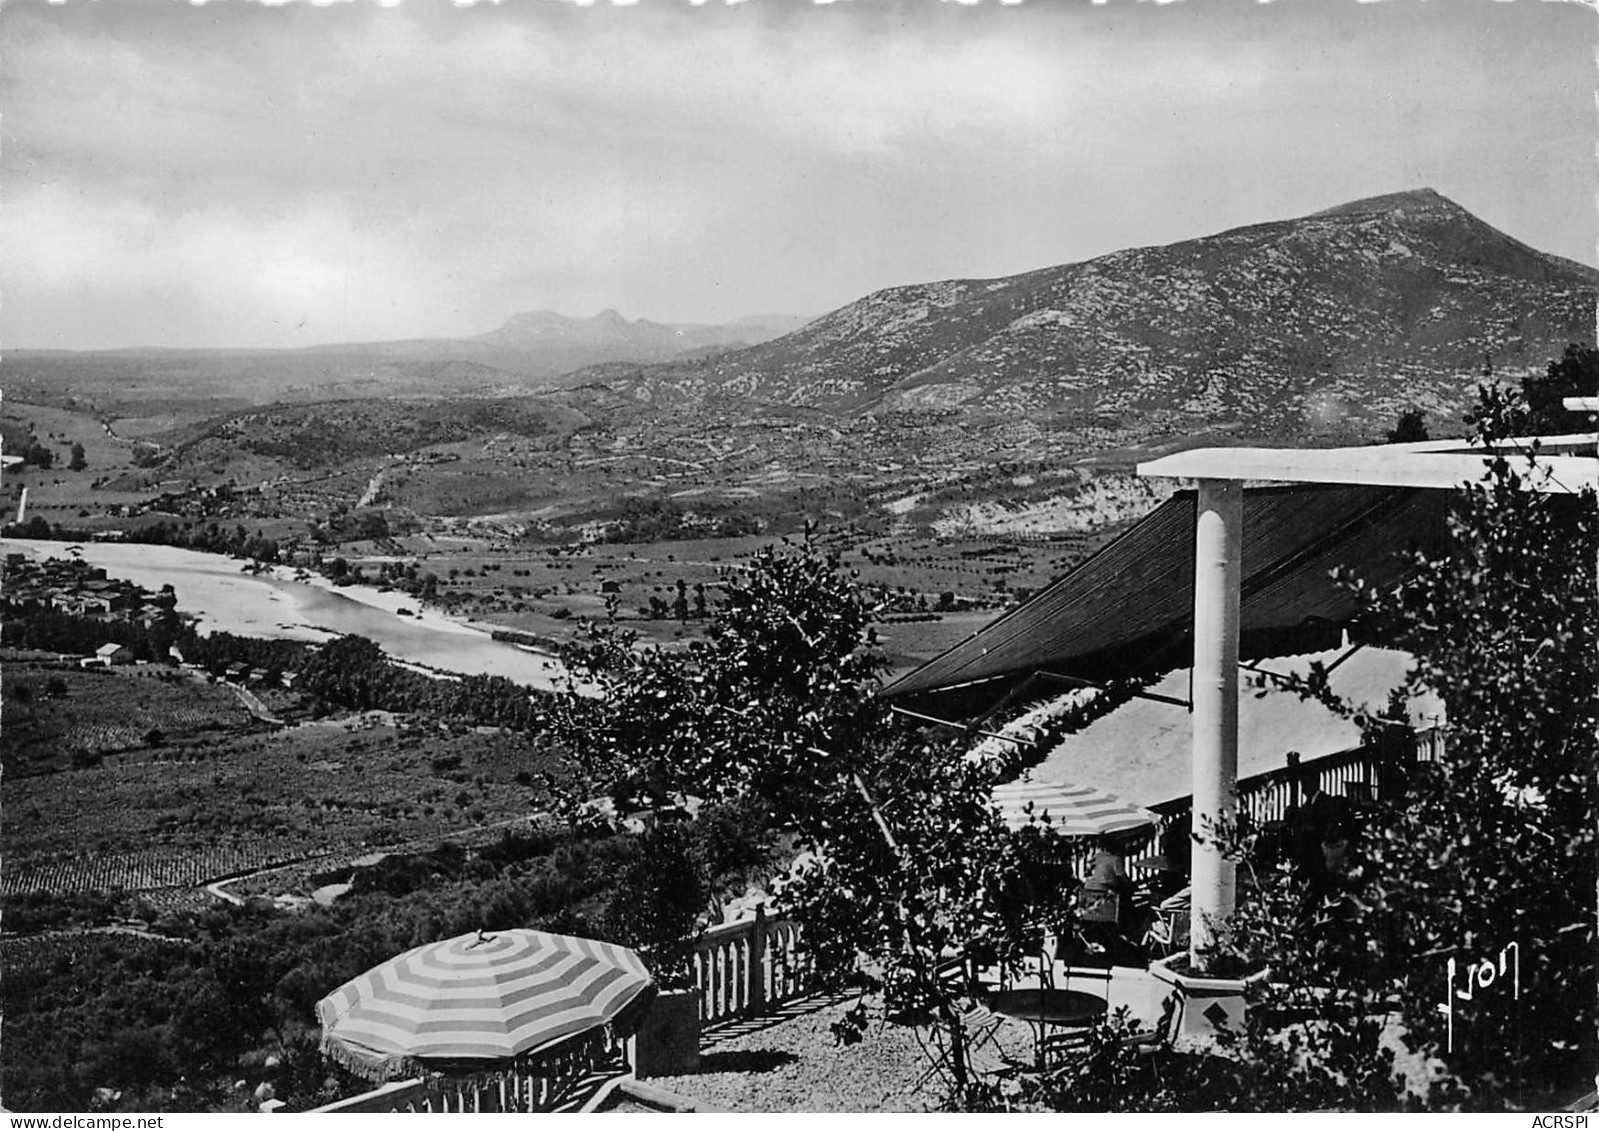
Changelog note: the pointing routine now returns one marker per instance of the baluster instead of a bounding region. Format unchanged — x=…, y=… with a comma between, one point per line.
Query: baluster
x=741, y=974
x=710, y=981
x=748, y=982
x=781, y=963
x=708, y=1001
x=720, y=959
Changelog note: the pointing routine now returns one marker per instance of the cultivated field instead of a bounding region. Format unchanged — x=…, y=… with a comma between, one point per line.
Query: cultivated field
x=59, y=716
x=239, y=799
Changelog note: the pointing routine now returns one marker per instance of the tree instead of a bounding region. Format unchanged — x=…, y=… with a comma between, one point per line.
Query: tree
x=38, y=455
x=79, y=460
x=787, y=669
x=1496, y=843
x=1411, y=427
x=910, y=865
x=1576, y=374
x=776, y=711
x=657, y=903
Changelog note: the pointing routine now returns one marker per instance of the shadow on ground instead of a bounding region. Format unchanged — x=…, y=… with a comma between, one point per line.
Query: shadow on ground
x=745, y=1060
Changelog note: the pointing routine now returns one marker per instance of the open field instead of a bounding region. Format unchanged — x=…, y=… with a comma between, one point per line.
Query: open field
x=199, y=807
x=59, y=717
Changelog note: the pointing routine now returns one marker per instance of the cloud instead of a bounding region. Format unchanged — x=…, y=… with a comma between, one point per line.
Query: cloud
x=351, y=171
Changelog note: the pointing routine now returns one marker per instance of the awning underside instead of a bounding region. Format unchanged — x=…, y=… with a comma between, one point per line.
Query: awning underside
x=1128, y=609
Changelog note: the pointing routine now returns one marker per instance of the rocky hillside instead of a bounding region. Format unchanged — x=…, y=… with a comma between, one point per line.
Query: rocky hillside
x=1332, y=322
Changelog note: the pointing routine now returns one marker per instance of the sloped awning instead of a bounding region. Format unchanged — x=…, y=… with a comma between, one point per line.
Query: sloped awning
x=1128, y=609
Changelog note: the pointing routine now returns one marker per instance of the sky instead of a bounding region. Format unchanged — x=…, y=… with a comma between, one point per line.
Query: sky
x=240, y=174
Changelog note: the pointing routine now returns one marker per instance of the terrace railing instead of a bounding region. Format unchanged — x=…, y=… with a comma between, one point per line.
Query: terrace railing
x=745, y=968
x=1362, y=773
x=547, y=1084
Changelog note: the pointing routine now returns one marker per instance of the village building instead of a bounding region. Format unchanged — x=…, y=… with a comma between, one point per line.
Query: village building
x=109, y=655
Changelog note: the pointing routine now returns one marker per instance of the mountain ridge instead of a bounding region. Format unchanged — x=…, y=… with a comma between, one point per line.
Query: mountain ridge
x=1385, y=301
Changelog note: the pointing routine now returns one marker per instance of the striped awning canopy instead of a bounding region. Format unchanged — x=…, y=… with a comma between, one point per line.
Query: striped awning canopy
x=479, y=1002
x=1068, y=810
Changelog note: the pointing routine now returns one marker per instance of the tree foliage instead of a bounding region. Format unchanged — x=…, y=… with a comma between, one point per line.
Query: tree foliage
x=1410, y=428
x=903, y=860
x=1576, y=374
x=759, y=708
x=1496, y=844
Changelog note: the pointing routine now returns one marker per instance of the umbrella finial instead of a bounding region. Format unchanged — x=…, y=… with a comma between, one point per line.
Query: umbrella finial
x=480, y=940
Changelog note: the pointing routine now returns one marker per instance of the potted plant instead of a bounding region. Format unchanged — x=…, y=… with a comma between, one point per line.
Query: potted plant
x=655, y=908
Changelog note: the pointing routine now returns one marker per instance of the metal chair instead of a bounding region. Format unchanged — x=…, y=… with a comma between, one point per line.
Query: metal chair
x=1104, y=908
x=981, y=1026
x=1169, y=932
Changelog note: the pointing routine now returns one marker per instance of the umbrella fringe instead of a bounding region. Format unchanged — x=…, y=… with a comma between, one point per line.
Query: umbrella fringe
x=370, y=1065
x=380, y=1068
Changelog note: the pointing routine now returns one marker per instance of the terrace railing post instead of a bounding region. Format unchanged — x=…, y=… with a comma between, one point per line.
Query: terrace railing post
x=757, y=997
x=1218, y=546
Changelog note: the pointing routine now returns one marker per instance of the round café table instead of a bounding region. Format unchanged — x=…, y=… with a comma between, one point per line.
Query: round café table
x=1043, y=1008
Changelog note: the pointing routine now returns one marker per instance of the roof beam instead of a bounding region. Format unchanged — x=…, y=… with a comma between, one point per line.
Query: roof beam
x=1376, y=466
x=953, y=725
x=1079, y=681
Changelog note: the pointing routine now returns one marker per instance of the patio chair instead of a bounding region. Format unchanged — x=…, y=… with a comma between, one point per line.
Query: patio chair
x=1106, y=908
x=981, y=1026
x=1168, y=933
x=1063, y=1044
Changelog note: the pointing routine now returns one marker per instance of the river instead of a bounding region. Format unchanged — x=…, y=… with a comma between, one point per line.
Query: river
x=215, y=590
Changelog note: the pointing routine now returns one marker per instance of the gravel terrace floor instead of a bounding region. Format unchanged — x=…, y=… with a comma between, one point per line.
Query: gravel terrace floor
x=790, y=1062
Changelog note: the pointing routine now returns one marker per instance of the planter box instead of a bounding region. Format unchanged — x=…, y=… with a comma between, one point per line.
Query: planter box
x=1206, y=1004
x=668, y=1039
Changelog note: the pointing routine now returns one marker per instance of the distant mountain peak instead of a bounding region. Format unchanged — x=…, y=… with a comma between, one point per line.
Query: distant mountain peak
x=609, y=337
x=1411, y=200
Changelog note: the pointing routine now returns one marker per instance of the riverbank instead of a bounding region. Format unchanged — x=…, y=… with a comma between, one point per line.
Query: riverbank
x=284, y=604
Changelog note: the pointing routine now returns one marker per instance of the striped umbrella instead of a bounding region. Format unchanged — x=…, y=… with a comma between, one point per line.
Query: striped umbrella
x=480, y=1001
x=1072, y=810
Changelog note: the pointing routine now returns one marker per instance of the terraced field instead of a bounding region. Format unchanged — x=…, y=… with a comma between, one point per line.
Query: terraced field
x=58, y=715
x=157, y=821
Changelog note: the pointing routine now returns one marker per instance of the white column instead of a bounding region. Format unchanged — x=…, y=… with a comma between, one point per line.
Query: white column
x=1217, y=550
